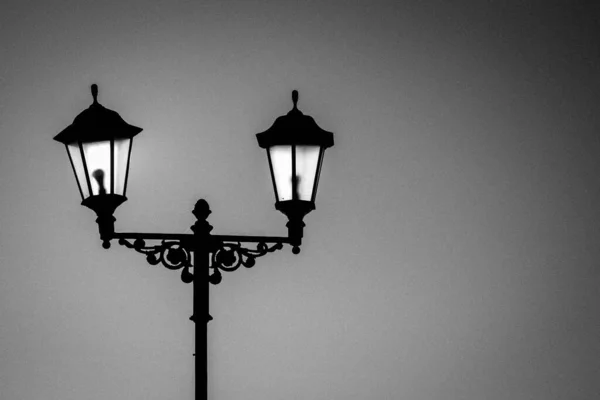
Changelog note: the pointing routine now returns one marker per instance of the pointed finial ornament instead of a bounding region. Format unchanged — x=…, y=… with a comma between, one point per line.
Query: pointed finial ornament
x=295, y=98
x=95, y=92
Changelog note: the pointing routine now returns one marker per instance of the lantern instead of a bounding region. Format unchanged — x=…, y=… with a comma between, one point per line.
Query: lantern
x=98, y=144
x=295, y=147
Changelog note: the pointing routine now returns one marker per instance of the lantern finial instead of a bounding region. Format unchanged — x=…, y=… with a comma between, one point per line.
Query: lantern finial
x=95, y=92
x=295, y=98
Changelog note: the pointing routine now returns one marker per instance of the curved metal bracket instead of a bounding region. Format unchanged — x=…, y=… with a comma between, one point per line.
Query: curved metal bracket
x=230, y=256
x=171, y=253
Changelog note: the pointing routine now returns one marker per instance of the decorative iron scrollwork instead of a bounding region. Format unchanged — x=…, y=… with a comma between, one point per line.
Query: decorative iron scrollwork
x=172, y=254
x=230, y=256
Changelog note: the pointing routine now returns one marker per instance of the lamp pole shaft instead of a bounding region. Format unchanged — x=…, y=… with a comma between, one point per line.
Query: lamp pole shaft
x=203, y=245
x=201, y=297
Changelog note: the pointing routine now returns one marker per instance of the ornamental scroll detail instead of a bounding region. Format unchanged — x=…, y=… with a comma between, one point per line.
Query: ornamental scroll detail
x=230, y=256
x=170, y=253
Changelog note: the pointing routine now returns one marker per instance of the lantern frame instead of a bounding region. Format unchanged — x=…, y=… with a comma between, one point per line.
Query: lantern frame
x=292, y=131
x=99, y=125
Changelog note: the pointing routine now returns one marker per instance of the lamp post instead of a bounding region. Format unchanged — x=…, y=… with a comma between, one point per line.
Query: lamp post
x=99, y=144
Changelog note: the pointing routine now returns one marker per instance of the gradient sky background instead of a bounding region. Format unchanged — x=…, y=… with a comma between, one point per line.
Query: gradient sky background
x=455, y=246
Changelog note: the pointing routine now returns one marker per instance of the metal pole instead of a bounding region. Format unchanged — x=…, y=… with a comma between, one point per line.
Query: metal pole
x=201, y=296
x=202, y=249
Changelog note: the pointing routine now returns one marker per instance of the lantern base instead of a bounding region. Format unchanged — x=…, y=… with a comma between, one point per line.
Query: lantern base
x=104, y=206
x=295, y=210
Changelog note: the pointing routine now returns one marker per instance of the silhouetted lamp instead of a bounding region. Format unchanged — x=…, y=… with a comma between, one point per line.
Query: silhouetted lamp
x=295, y=147
x=99, y=145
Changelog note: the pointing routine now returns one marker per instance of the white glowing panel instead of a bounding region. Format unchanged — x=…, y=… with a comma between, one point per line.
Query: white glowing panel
x=75, y=155
x=97, y=158
x=307, y=160
x=120, y=167
x=281, y=162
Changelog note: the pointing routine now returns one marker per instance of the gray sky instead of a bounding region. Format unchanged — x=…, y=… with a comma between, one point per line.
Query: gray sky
x=454, y=250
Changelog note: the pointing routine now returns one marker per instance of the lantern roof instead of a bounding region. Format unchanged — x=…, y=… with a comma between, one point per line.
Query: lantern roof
x=295, y=128
x=97, y=123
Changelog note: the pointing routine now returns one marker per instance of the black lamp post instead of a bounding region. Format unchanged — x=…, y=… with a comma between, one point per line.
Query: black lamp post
x=99, y=144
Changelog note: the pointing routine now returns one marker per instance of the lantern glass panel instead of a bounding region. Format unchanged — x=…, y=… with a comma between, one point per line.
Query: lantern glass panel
x=281, y=162
x=97, y=158
x=307, y=160
x=75, y=155
x=318, y=173
x=121, y=160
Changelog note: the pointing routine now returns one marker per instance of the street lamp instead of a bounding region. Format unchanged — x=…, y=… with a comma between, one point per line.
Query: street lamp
x=99, y=144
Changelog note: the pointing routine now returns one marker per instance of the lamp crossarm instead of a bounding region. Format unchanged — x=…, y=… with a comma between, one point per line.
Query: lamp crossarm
x=251, y=239
x=181, y=250
x=175, y=251
x=153, y=236
x=190, y=236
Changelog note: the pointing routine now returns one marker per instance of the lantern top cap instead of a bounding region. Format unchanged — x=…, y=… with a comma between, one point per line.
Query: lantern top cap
x=295, y=128
x=97, y=123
